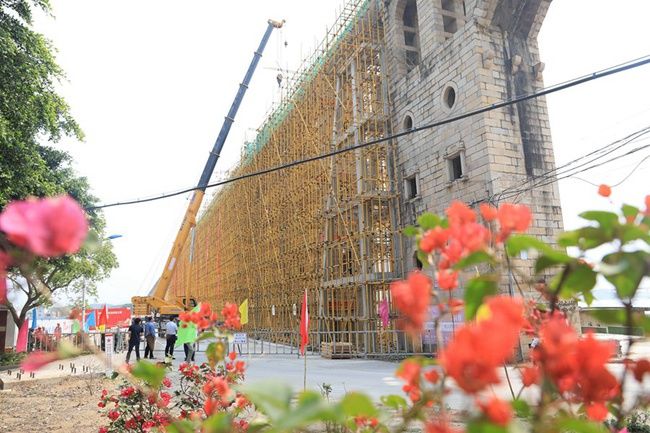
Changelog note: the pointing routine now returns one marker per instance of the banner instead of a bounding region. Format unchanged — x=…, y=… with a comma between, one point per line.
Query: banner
x=187, y=331
x=90, y=321
x=243, y=312
x=383, y=312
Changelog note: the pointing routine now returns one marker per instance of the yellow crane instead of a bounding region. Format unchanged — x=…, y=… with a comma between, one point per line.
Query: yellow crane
x=156, y=303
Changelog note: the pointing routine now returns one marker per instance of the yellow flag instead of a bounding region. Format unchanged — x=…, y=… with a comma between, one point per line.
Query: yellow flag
x=243, y=312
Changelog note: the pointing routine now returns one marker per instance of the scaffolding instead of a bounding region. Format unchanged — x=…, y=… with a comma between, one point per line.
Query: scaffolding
x=330, y=226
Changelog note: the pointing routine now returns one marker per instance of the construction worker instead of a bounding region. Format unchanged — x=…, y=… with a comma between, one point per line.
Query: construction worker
x=134, y=339
x=149, y=337
x=171, y=329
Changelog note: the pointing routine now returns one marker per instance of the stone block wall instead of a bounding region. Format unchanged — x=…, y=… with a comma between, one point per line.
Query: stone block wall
x=484, y=52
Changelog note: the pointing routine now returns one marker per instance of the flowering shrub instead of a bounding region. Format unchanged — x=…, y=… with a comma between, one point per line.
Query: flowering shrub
x=570, y=385
x=134, y=410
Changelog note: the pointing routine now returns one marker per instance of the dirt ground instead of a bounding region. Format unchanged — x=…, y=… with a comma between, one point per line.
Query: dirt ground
x=62, y=405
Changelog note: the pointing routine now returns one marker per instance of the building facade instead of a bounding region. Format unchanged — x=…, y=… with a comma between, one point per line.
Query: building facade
x=333, y=226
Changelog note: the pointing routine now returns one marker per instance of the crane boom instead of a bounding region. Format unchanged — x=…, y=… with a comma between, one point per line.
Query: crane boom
x=157, y=296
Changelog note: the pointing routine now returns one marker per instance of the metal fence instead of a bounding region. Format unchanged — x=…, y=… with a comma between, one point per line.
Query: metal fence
x=386, y=344
x=49, y=342
x=390, y=344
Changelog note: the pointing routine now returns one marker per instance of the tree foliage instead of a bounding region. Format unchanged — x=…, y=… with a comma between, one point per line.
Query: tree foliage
x=33, y=114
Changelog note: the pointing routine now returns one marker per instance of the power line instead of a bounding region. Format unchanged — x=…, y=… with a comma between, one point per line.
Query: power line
x=521, y=191
x=568, y=166
x=632, y=64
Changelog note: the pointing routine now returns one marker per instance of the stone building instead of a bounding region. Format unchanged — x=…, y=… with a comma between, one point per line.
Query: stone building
x=333, y=227
x=449, y=57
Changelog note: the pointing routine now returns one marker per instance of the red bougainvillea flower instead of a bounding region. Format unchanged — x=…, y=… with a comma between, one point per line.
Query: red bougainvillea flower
x=230, y=314
x=49, y=227
x=604, y=190
x=434, y=239
x=409, y=371
x=167, y=382
x=497, y=411
x=577, y=367
x=513, y=218
x=37, y=360
x=432, y=376
x=477, y=349
x=440, y=426
x=452, y=253
x=459, y=213
x=113, y=415
x=102, y=430
x=597, y=411
x=5, y=261
x=447, y=280
x=489, y=213
x=640, y=369
x=411, y=298
x=530, y=376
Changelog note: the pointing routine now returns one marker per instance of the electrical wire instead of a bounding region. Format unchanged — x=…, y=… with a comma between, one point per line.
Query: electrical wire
x=632, y=64
x=523, y=190
x=568, y=166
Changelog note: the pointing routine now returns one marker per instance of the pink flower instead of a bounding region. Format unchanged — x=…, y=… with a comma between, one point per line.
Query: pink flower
x=49, y=227
x=5, y=261
x=37, y=360
x=167, y=382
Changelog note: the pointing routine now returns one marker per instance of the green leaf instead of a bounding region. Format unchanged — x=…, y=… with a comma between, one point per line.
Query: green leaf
x=151, y=374
x=544, y=262
x=634, y=268
x=522, y=409
x=270, y=397
x=183, y=426
x=475, y=259
x=630, y=211
x=576, y=425
x=205, y=336
x=482, y=426
x=580, y=279
x=518, y=243
x=428, y=221
x=410, y=231
x=618, y=316
x=217, y=423
x=394, y=401
x=423, y=258
x=606, y=220
x=356, y=404
x=309, y=408
x=475, y=291
x=612, y=316
x=631, y=232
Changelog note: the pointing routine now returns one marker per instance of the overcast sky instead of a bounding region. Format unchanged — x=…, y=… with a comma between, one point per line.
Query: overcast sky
x=150, y=82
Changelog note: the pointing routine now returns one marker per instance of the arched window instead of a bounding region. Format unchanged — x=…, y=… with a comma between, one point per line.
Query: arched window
x=411, y=34
x=453, y=16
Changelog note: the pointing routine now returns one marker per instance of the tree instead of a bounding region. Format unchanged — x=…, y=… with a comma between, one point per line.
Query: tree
x=30, y=109
x=31, y=112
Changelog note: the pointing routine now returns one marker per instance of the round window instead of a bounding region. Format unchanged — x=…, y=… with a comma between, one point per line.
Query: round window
x=449, y=97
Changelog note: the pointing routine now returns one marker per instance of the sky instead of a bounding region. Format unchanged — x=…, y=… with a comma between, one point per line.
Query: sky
x=150, y=82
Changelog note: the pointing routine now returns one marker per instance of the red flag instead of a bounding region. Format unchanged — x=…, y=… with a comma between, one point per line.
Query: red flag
x=304, y=325
x=21, y=341
x=103, y=319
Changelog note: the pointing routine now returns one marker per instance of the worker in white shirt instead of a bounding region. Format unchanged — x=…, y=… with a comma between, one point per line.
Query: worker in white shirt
x=171, y=329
